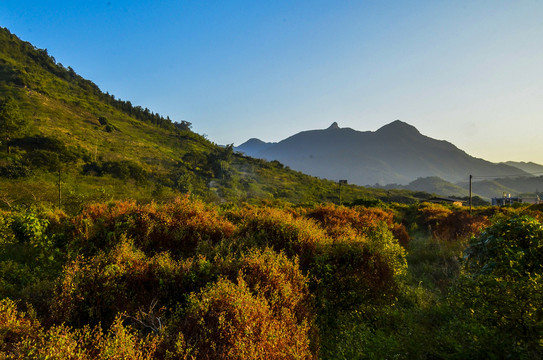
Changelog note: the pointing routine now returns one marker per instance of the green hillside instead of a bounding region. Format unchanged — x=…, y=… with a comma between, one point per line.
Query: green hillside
x=103, y=148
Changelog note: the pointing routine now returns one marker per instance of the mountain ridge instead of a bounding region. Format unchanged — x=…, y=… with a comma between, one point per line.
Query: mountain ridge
x=395, y=153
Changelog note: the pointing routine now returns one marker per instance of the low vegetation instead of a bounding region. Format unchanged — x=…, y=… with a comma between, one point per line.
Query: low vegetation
x=186, y=279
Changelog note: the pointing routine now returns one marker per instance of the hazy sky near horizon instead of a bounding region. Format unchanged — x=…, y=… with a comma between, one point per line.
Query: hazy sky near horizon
x=469, y=72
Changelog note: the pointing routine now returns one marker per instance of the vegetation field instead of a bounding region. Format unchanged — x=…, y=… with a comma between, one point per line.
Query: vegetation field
x=190, y=280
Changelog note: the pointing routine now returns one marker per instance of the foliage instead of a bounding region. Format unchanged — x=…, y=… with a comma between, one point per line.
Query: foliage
x=356, y=271
x=179, y=226
x=12, y=122
x=281, y=231
x=23, y=337
x=186, y=279
x=509, y=248
x=341, y=222
x=124, y=170
x=226, y=321
x=502, y=288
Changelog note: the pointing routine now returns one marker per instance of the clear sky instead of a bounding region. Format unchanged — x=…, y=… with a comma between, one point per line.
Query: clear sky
x=469, y=72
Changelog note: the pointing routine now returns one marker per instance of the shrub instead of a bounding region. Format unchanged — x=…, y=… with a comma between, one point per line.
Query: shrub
x=15, y=171
x=179, y=227
x=124, y=343
x=15, y=326
x=358, y=271
x=460, y=225
x=279, y=281
x=341, y=222
x=431, y=215
x=502, y=288
x=123, y=280
x=226, y=321
x=281, y=231
x=23, y=337
x=29, y=257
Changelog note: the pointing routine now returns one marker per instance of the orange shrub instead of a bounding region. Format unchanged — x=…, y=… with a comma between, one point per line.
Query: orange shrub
x=226, y=321
x=342, y=222
x=281, y=231
x=277, y=279
x=431, y=215
x=15, y=327
x=460, y=225
x=178, y=227
x=125, y=280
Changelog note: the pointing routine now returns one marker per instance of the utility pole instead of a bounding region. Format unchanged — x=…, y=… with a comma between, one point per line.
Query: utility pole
x=470, y=202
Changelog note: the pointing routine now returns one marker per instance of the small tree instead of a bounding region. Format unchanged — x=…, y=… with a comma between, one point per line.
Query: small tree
x=12, y=123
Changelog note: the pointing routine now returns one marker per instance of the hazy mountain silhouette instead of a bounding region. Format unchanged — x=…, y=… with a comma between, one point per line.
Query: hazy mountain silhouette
x=395, y=153
x=529, y=167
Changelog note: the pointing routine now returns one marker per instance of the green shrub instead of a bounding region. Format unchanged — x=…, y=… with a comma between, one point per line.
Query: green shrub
x=503, y=285
x=15, y=171
x=354, y=272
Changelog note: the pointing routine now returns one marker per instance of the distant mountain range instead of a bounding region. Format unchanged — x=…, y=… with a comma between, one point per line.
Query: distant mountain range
x=396, y=153
x=529, y=167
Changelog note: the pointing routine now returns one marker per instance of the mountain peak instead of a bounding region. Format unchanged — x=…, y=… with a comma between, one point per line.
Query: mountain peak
x=398, y=127
x=333, y=126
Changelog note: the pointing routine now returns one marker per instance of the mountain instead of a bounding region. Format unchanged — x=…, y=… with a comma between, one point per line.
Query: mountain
x=484, y=188
x=434, y=185
x=529, y=167
x=515, y=186
x=78, y=144
x=253, y=146
x=395, y=153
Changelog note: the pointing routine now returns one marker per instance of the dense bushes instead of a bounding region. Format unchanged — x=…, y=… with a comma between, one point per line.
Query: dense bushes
x=282, y=231
x=23, y=337
x=227, y=321
x=190, y=280
x=179, y=227
x=124, y=170
x=503, y=284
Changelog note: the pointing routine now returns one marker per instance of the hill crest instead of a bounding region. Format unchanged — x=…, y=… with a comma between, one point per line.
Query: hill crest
x=395, y=153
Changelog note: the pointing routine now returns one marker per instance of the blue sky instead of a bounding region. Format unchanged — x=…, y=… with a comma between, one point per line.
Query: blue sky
x=469, y=72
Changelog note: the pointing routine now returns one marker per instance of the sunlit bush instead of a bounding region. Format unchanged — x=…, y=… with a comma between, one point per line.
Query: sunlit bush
x=23, y=337
x=178, y=227
x=227, y=321
x=281, y=231
x=431, y=215
x=15, y=327
x=460, y=225
x=341, y=222
x=124, y=280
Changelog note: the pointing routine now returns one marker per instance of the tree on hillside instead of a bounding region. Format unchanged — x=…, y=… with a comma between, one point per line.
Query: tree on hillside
x=12, y=123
